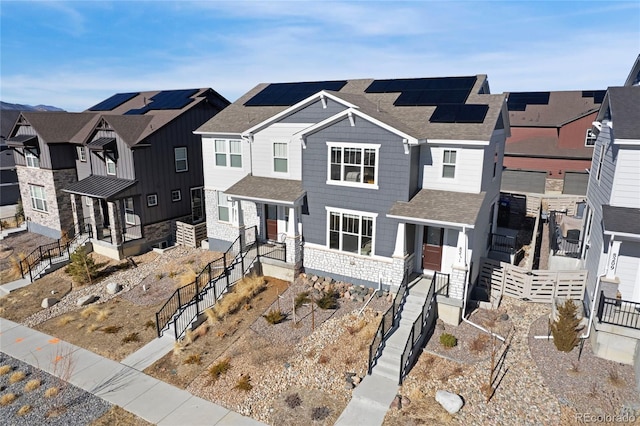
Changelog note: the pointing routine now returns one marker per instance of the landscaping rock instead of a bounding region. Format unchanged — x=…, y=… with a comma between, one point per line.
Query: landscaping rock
x=356, y=380
x=449, y=401
x=49, y=302
x=113, y=288
x=405, y=401
x=504, y=317
x=396, y=403
x=86, y=300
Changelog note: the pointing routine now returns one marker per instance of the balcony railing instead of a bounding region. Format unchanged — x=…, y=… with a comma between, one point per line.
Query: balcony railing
x=560, y=245
x=131, y=232
x=619, y=312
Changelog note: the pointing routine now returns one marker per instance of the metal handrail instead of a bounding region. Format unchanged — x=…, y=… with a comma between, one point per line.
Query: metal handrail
x=619, y=312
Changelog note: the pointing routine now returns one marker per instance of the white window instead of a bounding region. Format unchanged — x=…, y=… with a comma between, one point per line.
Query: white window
x=600, y=161
x=280, y=157
x=223, y=207
x=176, y=195
x=228, y=153
x=38, y=199
x=111, y=165
x=449, y=164
x=181, y=159
x=152, y=200
x=353, y=164
x=351, y=232
x=82, y=154
x=197, y=206
x=590, y=138
x=495, y=162
x=129, y=216
x=31, y=159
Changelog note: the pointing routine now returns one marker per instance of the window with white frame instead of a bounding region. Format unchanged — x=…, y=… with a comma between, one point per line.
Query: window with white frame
x=353, y=164
x=110, y=164
x=351, y=232
x=180, y=154
x=495, y=162
x=280, y=157
x=152, y=200
x=228, y=153
x=82, y=154
x=590, y=138
x=38, y=199
x=223, y=207
x=31, y=158
x=176, y=195
x=600, y=161
x=129, y=216
x=449, y=164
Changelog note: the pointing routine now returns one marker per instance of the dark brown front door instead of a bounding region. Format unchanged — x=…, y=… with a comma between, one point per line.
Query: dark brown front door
x=432, y=248
x=271, y=220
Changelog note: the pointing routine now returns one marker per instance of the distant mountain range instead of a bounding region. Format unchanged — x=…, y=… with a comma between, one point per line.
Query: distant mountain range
x=6, y=105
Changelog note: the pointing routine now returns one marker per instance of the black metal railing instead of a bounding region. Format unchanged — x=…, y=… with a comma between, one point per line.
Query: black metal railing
x=11, y=222
x=273, y=250
x=441, y=282
x=104, y=234
x=619, y=312
x=390, y=320
x=422, y=327
x=131, y=232
x=569, y=245
x=503, y=243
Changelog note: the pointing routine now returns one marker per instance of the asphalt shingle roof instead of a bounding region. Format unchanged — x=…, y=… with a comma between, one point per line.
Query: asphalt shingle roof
x=442, y=206
x=625, y=111
x=621, y=219
x=563, y=107
x=268, y=189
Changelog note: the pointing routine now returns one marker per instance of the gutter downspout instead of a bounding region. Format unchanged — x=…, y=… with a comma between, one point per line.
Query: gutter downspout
x=466, y=290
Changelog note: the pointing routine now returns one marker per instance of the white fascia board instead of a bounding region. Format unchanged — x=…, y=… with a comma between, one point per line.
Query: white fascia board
x=623, y=235
x=221, y=134
x=431, y=222
x=266, y=200
x=303, y=103
x=458, y=142
x=626, y=142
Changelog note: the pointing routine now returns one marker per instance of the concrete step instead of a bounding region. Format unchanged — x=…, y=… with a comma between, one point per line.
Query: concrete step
x=386, y=372
x=388, y=363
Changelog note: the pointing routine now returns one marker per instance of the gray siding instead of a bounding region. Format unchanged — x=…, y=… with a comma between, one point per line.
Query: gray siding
x=315, y=113
x=124, y=163
x=523, y=181
x=45, y=159
x=393, y=180
x=83, y=167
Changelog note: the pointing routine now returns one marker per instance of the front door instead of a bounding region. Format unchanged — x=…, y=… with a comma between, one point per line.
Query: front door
x=271, y=219
x=432, y=248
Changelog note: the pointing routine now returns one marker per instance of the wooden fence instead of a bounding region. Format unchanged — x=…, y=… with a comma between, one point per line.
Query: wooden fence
x=540, y=286
x=190, y=235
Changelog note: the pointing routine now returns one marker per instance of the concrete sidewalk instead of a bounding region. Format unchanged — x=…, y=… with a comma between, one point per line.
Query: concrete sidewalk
x=370, y=402
x=149, y=398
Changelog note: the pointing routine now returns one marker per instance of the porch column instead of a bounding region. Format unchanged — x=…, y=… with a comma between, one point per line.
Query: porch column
x=239, y=219
x=461, y=249
x=459, y=269
x=292, y=228
x=94, y=214
x=293, y=240
x=401, y=246
x=78, y=217
x=612, y=260
x=114, y=223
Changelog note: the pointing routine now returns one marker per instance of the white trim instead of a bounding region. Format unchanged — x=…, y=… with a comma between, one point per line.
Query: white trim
x=150, y=197
x=108, y=159
x=361, y=146
x=185, y=159
x=227, y=153
x=457, y=142
x=263, y=200
x=626, y=141
x=222, y=134
x=634, y=237
x=440, y=223
x=179, y=192
x=42, y=197
x=273, y=158
x=360, y=215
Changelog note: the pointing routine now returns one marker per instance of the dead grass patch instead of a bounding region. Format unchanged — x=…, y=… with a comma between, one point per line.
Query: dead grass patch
x=17, y=377
x=111, y=329
x=193, y=359
x=32, y=385
x=7, y=398
x=62, y=321
x=240, y=294
x=25, y=409
x=131, y=337
x=5, y=369
x=88, y=311
x=218, y=369
x=51, y=392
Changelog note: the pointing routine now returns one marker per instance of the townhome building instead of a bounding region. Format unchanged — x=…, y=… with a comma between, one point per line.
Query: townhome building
x=361, y=180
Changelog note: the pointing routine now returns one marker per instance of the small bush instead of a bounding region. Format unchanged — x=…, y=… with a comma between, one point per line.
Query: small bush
x=448, y=340
x=275, y=316
x=82, y=267
x=92, y=328
x=301, y=299
x=103, y=315
x=7, y=398
x=16, y=377
x=323, y=359
x=159, y=276
x=32, y=385
x=131, y=337
x=355, y=328
x=149, y=324
x=328, y=300
x=320, y=413
x=173, y=274
x=88, y=311
x=24, y=410
x=219, y=368
x=565, y=329
x=614, y=377
x=244, y=383
x=192, y=359
x=5, y=369
x=480, y=343
x=293, y=400
x=65, y=320
x=111, y=329
x=51, y=392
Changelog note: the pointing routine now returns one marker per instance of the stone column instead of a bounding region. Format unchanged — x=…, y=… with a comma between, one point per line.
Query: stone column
x=94, y=214
x=114, y=223
x=457, y=281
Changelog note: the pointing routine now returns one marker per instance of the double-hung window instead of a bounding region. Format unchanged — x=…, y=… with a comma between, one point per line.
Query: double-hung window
x=449, y=164
x=110, y=164
x=82, y=154
x=353, y=164
x=180, y=154
x=351, y=231
x=31, y=159
x=129, y=216
x=152, y=200
x=223, y=207
x=600, y=162
x=280, y=157
x=38, y=199
x=228, y=153
x=590, y=138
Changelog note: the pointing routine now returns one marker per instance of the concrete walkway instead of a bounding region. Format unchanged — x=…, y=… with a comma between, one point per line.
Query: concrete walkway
x=151, y=399
x=369, y=402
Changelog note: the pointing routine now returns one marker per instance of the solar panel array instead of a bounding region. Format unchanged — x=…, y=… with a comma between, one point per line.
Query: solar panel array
x=518, y=101
x=287, y=94
x=113, y=102
x=426, y=91
x=459, y=113
x=167, y=99
x=597, y=95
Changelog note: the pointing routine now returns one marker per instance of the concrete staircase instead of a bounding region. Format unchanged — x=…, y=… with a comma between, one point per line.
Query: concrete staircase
x=388, y=365
x=48, y=265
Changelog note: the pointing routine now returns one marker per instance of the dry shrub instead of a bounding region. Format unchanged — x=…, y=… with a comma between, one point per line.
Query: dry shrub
x=221, y=334
x=192, y=359
x=219, y=368
x=293, y=400
x=211, y=316
x=111, y=329
x=323, y=359
x=92, y=328
x=320, y=413
x=189, y=337
x=17, y=376
x=274, y=316
x=62, y=321
x=178, y=347
x=32, y=385
x=239, y=295
x=7, y=398
x=480, y=343
x=103, y=315
x=51, y=392
x=355, y=328
x=201, y=330
x=79, y=326
x=244, y=383
x=131, y=337
x=614, y=377
x=88, y=311
x=5, y=369
x=186, y=278
x=149, y=324
x=14, y=265
x=24, y=410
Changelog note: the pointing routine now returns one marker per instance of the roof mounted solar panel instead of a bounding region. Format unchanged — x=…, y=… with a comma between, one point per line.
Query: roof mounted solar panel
x=421, y=84
x=458, y=113
x=114, y=101
x=287, y=94
x=167, y=99
x=597, y=95
x=518, y=101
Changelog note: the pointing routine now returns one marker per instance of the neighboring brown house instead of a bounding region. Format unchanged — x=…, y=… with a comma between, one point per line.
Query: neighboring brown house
x=551, y=143
x=124, y=169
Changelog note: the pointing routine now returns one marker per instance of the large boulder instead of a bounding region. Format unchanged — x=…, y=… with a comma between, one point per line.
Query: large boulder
x=113, y=288
x=86, y=300
x=449, y=401
x=49, y=302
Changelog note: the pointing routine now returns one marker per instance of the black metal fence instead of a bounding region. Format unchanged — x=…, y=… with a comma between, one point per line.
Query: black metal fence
x=559, y=244
x=503, y=243
x=11, y=222
x=441, y=282
x=273, y=250
x=131, y=232
x=619, y=312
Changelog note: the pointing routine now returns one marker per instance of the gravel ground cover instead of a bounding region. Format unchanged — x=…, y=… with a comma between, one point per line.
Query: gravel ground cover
x=72, y=406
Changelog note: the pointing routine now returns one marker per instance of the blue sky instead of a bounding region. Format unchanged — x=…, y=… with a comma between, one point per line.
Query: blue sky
x=74, y=54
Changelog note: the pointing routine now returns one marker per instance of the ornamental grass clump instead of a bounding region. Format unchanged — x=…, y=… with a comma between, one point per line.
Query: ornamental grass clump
x=448, y=340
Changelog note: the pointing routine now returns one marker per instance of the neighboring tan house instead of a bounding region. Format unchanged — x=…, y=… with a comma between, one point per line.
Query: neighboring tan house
x=125, y=168
x=9, y=188
x=551, y=143
x=361, y=180
x=611, y=251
